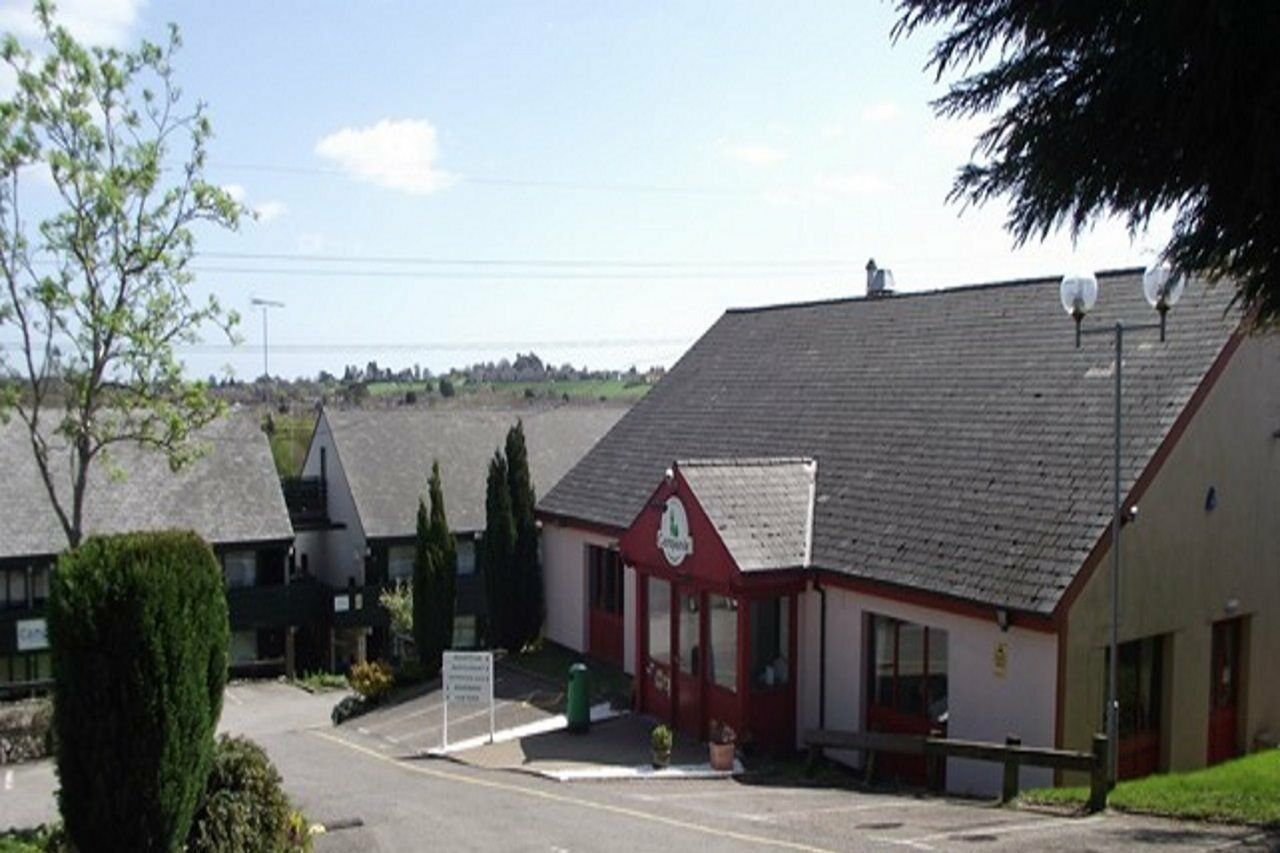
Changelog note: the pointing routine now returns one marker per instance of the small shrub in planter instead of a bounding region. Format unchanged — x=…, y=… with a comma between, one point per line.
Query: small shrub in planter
x=244, y=806
x=661, y=740
x=723, y=741
x=372, y=680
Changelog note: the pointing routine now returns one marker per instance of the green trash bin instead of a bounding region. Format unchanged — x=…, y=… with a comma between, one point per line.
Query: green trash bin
x=578, y=700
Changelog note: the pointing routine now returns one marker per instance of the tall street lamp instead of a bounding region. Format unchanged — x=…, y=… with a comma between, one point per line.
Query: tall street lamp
x=265, y=304
x=1079, y=291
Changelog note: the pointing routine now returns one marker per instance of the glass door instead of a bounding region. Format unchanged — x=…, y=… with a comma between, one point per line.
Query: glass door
x=689, y=663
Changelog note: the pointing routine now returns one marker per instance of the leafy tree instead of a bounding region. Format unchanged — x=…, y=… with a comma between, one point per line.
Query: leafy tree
x=526, y=571
x=435, y=578
x=497, y=555
x=446, y=387
x=1125, y=108
x=138, y=633
x=97, y=293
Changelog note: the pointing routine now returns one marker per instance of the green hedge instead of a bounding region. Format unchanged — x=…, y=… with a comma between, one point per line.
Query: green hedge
x=138, y=632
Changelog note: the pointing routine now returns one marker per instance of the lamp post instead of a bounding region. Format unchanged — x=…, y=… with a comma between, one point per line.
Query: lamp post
x=265, y=304
x=1162, y=289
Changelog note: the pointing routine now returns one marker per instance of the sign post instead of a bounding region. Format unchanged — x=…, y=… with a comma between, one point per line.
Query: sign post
x=468, y=680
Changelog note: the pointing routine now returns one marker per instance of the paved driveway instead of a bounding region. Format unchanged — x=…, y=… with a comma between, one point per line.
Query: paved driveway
x=390, y=799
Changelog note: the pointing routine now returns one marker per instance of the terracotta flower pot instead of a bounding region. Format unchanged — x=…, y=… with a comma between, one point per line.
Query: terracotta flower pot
x=722, y=756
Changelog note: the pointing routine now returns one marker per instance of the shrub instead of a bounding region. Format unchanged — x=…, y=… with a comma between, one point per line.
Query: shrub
x=372, y=680
x=244, y=805
x=661, y=739
x=138, y=634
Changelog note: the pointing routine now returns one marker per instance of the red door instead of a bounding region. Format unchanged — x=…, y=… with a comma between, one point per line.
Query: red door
x=604, y=615
x=656, y=629
x=1224, y=692
x=907, y=690
x=688, y=663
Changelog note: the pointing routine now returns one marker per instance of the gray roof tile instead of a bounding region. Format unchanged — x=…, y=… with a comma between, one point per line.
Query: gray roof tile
x=963, y=443
x=387, y=456
x=230, y=494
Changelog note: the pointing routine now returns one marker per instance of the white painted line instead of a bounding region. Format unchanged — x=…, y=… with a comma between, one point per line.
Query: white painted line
x=922, y=842
x=230, y=693
x=599, y=713
x=8, y=780
x=765, y=817
x=601, y=774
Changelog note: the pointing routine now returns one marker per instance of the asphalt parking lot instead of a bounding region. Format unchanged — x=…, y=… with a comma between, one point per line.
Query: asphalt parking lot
x=369, y=782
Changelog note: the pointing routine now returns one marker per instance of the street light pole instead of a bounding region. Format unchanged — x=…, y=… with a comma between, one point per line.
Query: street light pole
x=265, y=304
x=1079, y=293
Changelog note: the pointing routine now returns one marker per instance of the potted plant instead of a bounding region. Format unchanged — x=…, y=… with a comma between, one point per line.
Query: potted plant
x=661, y=741
x=723, y=741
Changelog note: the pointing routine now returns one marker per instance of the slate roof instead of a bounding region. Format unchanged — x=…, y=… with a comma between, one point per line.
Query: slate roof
x=761, y=508
x=963, y=443
x=229, y=495
x=387, y=456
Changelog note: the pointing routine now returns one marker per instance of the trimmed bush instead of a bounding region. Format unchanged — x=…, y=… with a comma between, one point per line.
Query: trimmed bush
x=244, y=806
x=372, y=680
x=138, y=632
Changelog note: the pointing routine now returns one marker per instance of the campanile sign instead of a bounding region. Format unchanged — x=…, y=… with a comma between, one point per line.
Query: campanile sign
x=674, y=538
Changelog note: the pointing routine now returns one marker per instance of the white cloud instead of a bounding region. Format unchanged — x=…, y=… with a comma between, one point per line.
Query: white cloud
x=236, y=191
x=269, y=211
x=756, y=155
x=881, y=112
x=397, y=154
x=100, y=22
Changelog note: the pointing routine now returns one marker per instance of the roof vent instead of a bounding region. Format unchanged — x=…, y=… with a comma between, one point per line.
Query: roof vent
x=879, y=282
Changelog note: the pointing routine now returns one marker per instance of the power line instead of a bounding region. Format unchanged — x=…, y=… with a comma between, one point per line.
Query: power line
x=496, y=276
x=428, y=260
x=429, y=346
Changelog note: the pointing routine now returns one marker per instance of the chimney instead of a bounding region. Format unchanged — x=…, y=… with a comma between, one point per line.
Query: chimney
x=879, y=282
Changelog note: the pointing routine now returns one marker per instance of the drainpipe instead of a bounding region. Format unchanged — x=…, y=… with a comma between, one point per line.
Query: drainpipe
x=822, y=652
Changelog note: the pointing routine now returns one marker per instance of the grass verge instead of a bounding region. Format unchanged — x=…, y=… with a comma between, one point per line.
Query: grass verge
x=321, y=682
x=1246, y=790
x=608, y=683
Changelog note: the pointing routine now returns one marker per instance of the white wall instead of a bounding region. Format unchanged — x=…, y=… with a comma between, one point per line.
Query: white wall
x=981, y=705
x=564, y=580
x=339, y=553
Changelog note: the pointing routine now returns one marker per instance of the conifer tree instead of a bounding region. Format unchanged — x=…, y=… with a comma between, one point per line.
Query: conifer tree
x=526, y=571
x=444, y=555
x=425, y=594
x=498, y=551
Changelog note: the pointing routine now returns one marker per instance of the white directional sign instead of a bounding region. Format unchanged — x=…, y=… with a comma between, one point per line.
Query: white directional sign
x=468, y=680
x=33, y=635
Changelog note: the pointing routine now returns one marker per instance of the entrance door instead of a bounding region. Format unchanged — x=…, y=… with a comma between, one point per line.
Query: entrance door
x=657, y=681
x=1224, y=692
x=907, y=690
x=689, y=664
x=604, y=619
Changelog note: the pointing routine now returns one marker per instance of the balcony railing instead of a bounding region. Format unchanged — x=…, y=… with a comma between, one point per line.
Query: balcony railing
x=307, y=499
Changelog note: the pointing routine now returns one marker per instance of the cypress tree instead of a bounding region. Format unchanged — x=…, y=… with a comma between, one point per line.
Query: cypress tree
x=498, y=550
x=527, y=573
x=138, y=632
x=425, y=595
x=444, y=555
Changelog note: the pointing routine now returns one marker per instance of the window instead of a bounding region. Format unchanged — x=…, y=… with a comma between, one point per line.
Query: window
x=690, y=641
x=1139, y=686
x=13, y=589
x=241, y=568
x=39, y=584
x=770, y=642
x=466, y=551
x=464, y=632
x=724, y=641
x=659, y=632
x=244, y=647
x=400, y=563
x=604, y=570
x=908, y=669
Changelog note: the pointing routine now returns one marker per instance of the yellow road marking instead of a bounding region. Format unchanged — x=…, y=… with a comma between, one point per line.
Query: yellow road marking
x=731, y=835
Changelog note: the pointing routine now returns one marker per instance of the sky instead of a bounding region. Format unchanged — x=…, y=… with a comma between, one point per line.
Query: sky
x=445, y=183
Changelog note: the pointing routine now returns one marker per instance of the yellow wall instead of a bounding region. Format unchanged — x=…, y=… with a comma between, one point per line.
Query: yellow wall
x=1181, y=565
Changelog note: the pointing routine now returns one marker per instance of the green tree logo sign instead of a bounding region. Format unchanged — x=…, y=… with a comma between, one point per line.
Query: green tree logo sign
x=674, y=539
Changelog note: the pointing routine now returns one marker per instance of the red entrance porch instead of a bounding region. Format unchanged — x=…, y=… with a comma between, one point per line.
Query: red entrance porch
x=717, y=640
